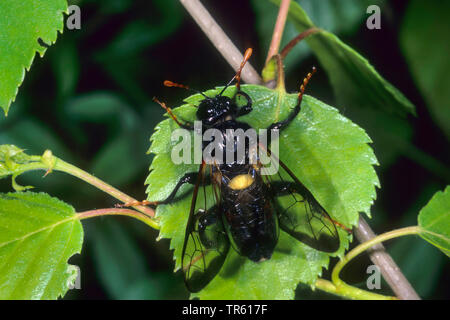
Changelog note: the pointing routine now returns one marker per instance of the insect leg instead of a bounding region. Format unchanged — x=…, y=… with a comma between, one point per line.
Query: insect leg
x=248, y=107
x=187, y=178
x=282, y=124
x=281, y=188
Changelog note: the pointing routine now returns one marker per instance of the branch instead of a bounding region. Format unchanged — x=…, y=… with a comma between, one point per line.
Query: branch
x=296, y=40
x=278, y=30
x=61, y=165
x=340, y=286
x=50, y=163
x=378, y=255
x=389, y=269
x=350, y=293
x=220, y=40
x=116, y=212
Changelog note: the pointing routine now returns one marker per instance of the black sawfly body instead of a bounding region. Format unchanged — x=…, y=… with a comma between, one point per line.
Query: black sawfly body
x=246, y=214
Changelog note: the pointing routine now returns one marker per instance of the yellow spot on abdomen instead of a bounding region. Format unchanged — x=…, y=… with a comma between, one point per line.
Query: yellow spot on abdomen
x=241, y=182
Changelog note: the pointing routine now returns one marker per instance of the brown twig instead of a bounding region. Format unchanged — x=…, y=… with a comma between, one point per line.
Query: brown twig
x=116, y=212
x=380, y=257
x=296, y=40
x=66, y=167
x=389, y=269
x=278, y=29
x=220, y=40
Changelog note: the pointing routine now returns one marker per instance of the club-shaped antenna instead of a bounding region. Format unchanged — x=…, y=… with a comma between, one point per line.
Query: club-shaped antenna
x=168, y=83
x=247, y=56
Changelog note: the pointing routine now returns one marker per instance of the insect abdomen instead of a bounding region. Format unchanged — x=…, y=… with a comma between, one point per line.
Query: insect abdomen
x=251, y=225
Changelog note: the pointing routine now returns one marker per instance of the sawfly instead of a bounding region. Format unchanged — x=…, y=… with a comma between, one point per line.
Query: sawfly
x=249, y=208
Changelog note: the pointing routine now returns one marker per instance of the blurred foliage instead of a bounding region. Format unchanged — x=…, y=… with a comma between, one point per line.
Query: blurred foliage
x=339, y=17
x=89, y=101
x=122, y=268
x=355, y=81
x=426, y=49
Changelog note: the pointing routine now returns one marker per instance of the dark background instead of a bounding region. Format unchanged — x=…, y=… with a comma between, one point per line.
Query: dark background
x=89, y=100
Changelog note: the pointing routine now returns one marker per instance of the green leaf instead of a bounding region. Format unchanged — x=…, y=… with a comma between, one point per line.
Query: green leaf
x=326, y=151
x=355, y=81
x=434, y=218
x=291, y=263
x=38, y=236
x=390, y=134
x=339, y=17
x=422, y=35
x=22, y=24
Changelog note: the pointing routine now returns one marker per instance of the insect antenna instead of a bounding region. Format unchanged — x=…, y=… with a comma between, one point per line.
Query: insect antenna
x=169, y=83
x=247, y=56
x=169, y=111
x=304, y=83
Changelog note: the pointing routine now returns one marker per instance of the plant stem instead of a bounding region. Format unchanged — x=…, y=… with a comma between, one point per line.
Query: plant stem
x=296, y=40
x=61, y=165
x=49, y=162
x=341, y=286
x=351, y=293
x=389, y=269
x=116, y=212
x=278, y=29
x=220, y=40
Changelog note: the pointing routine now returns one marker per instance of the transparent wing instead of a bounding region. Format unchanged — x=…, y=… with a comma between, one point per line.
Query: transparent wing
x=300, y=214
x=206, y=244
